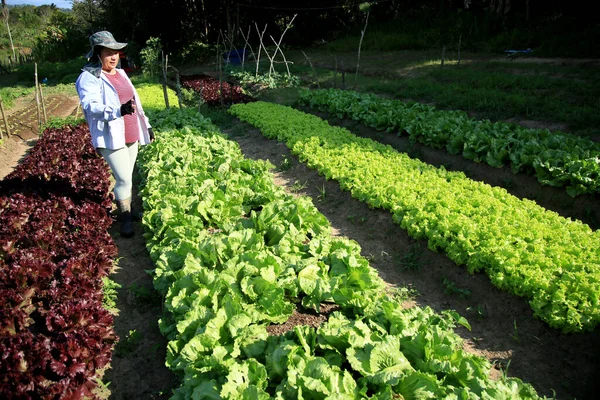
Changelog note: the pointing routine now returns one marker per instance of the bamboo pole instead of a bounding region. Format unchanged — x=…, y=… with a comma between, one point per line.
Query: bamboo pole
x=37, y=98
x=246, y=39
x=4, y=118
x=260, y=47
x=278, y=44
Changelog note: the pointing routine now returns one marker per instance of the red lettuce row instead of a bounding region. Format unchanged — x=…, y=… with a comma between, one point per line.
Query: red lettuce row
x=210, y=88
x=62, y=161
x=54, y=251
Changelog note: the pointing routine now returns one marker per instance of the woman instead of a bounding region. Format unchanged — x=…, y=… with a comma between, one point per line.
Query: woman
x=115, y=116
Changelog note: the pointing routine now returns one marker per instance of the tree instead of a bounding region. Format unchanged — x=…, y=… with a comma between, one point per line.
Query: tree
x=5, y=15
x=89, y=15
x=62, y=38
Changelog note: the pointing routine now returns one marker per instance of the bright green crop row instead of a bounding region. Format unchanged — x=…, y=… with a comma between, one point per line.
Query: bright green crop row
x=524, y=249
x=555, y=158
x=234, y=254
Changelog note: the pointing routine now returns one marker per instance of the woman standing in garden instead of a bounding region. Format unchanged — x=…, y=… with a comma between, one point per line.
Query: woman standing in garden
x=115, y=116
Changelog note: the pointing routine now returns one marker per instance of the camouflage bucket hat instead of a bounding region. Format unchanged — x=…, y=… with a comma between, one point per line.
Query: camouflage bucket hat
x=104, y=39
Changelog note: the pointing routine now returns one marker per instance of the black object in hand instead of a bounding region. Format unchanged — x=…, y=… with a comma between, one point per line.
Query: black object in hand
x=127, y=108
x=151, y=134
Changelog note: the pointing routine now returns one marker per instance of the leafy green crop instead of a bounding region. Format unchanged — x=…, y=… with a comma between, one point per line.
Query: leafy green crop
x=555, y=158
x=524, y=248
x=234, y=254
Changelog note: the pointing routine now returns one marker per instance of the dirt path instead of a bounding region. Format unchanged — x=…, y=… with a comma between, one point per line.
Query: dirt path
x=504, y=329
x=22, y=120
x=138, y=368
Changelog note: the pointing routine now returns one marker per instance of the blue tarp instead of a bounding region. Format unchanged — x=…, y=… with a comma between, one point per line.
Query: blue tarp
x=235, y=56
x=518, y=51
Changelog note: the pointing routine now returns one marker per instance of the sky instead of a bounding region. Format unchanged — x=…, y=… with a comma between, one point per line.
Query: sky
x=58, y=3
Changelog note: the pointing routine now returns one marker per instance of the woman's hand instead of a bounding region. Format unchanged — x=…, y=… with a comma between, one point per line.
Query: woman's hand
x=127, y=108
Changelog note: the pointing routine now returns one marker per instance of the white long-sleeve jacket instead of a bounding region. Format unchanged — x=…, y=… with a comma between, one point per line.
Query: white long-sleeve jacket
x=102, y=110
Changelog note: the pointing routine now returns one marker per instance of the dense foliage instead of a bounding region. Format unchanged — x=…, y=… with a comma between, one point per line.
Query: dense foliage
x=55, y=334
x=553, y=27
x=235, y=254
x=523, y=248
x=45, y=32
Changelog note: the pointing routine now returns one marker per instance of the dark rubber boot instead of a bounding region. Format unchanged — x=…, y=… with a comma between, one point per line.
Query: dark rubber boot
x=126, y=230
x=136, y=216
x=124, y=207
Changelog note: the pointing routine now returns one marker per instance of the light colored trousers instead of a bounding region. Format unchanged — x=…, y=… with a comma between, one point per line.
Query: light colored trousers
x=121, y=162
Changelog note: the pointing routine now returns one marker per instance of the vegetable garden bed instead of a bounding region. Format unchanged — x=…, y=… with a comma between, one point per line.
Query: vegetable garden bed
x=215, y=92
x=522, y=247
x=235, y=254
x=55, y=335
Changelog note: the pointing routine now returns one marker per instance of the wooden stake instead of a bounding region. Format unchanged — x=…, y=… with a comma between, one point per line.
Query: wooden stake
x=343, y=74
x=313, y=69
x=37, y=98
x=4, y=118
x=200, y=100
x=335, y=73
x=443, y=54
x=362, y=35
x=220, y=66
x=43, y=104
x=217, y=64
x=459, y=39
x=165, y=60
x=178, y=87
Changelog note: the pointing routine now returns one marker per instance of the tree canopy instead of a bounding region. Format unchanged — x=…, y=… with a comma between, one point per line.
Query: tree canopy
x=182, y=25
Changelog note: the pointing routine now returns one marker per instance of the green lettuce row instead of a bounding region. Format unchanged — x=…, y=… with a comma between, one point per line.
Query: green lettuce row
x=153, y=96
x=555, y=158
x=234, y=253
x=524, y=249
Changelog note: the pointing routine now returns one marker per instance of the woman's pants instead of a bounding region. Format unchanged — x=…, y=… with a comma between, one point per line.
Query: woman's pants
x=121, y=162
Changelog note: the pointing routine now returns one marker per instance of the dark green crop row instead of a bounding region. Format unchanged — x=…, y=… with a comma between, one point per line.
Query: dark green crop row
x=555, y=158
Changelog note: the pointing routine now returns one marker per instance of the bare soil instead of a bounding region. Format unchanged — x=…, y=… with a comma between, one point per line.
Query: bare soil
x=22, y=121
